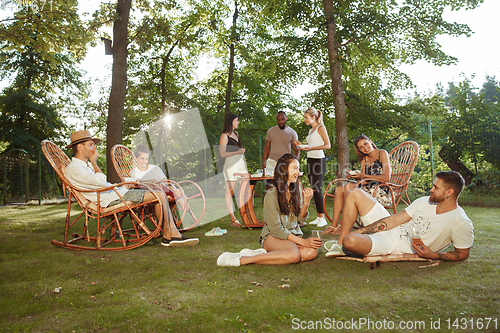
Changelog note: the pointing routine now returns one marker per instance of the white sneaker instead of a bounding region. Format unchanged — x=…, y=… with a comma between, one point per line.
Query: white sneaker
x=335, y=250
x=321, y=222
x=229, y=259
x=330, y=245
x=314, y=222
x=249, y=253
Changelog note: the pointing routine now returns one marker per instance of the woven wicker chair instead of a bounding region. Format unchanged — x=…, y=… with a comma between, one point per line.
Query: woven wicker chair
x=109, y=231
x=403, y=159
x=124, y=161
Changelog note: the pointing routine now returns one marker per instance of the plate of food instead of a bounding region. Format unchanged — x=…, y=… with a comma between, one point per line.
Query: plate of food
x=303, y=146
x=354, y=172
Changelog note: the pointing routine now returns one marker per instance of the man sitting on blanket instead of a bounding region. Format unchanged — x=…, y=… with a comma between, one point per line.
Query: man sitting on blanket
x=83, y=172
x=439, y=218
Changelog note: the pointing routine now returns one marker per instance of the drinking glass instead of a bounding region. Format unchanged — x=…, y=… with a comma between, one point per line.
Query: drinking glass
x=317, y=233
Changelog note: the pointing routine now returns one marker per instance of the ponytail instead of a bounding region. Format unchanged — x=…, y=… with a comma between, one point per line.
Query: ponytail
x=316, y=114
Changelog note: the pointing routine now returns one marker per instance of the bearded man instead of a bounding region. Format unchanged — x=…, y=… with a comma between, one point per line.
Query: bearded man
x=279, y=141
x=438, y=219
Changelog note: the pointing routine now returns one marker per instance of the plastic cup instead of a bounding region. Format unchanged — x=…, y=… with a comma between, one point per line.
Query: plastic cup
x=416, y=241
x=416, y=235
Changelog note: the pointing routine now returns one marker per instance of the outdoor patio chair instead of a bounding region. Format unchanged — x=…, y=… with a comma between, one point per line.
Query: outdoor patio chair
x=109, y=228
x=403, y=159
x=124, y=161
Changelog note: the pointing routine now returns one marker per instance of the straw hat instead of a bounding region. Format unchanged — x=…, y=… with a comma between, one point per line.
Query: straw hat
x=81, y=136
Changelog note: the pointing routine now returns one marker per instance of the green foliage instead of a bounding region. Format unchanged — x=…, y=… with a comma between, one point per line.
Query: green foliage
x=466, y=133
x=55, y=29
x=472, y=126
x=38, y=51
x=26, y=119
x=278, y=45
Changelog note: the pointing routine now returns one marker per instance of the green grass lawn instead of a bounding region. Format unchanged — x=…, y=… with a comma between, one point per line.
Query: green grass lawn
x=157, y=289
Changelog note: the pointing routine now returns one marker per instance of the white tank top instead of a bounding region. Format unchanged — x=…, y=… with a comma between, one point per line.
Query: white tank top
x=314, y=140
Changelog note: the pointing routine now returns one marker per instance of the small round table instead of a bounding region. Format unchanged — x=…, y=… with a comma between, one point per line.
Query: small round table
x=245, y=199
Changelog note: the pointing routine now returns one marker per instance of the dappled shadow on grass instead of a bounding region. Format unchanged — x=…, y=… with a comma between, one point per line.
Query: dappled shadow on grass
x=157, y=289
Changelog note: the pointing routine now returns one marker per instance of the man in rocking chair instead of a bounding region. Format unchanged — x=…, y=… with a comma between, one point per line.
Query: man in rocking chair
x=83, y=172
x=425, y=227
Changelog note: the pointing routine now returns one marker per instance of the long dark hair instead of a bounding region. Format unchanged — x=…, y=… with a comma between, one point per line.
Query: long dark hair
x=359, y=154
x=280, y=182
x=228, y=123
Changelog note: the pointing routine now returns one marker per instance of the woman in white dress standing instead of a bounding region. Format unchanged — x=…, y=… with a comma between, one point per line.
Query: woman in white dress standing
x=232, y=150
x=317, y=141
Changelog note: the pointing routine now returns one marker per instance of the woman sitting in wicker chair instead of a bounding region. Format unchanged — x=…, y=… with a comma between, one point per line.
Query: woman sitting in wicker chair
x=375, y=166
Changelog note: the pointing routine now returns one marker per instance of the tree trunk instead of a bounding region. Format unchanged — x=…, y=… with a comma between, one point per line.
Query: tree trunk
x=118, y=84
x=231, y=60
x=455, y=164
x=342, y=139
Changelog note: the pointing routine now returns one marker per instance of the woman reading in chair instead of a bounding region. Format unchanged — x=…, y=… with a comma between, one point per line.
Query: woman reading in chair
x=285, y=205
x=150, y=172
x=375, y=165
x=232, y=150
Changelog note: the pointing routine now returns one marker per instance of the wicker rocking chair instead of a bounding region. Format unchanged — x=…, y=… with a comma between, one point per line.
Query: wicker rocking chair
x=109, y=228
x=124, y=161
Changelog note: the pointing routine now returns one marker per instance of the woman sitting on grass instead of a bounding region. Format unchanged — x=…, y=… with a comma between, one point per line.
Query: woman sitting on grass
x=285, y=205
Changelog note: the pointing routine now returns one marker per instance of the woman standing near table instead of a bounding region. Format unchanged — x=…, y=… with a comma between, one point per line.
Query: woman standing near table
x=285, y=205
x=232, y=150
x=317, y=141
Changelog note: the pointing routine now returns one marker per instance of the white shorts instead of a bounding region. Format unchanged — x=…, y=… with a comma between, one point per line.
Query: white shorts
x=234, y=164
x=389, y=242
x=376, y=213
x=384, y=242
x=270, y=166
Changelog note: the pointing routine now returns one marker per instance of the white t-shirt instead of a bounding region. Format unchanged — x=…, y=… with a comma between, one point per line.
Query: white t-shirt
x=438, y=230
x=153, y=172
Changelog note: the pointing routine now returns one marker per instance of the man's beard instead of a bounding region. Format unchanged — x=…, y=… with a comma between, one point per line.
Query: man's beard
x=436, y=200
x=281, y=128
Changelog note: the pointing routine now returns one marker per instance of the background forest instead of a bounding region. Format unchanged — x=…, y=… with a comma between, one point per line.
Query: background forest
x=348, y=50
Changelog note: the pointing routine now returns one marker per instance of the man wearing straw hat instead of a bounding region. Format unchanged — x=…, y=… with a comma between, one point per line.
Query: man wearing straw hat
x=83, y=172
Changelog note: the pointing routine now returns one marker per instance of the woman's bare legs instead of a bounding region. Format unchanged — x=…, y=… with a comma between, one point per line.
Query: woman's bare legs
x=280, y=252
x=228, y=199
x=338, y=204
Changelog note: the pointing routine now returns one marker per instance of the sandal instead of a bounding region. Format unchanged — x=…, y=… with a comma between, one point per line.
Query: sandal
x=332, y=230
x=216, y=231
x=236, y=223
